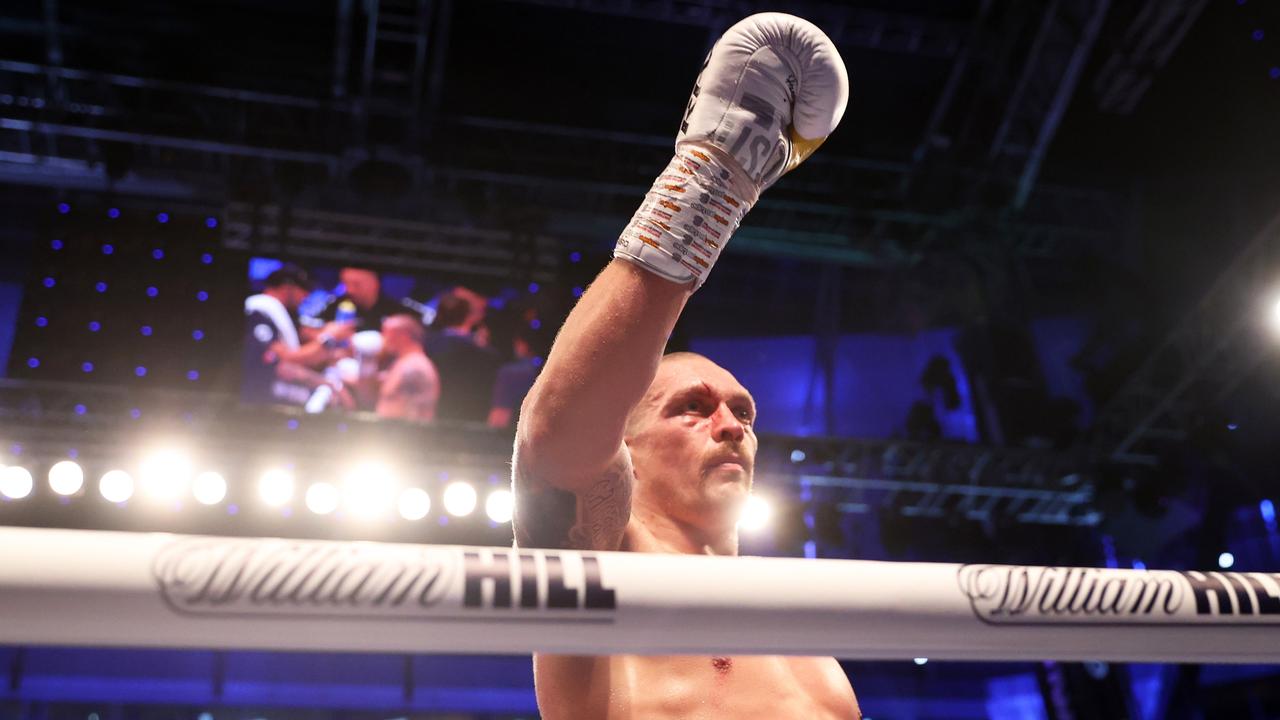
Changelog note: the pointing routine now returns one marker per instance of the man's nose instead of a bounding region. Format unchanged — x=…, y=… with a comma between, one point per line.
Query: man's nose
x=725, y=426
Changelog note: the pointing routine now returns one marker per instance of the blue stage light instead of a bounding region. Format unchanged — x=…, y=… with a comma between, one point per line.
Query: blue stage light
x=42, y=321
x=107, y=249
x=158, y=254
x=55, y=244
x=94, y=326
x=202, y=296
x=207, y=259
x=113, y=213
x=49, y=282
x=81, y=409
x=193, y=375
x=162, y=217
x=533, y=287
x=33, y=363
x=140, y=371
x=577, y=292
x=197, y=335
x=86, y=367
x=535, y=323
x=211, y=222
x=135, y=413
x=152, y=291
x=64, y=208
x=1274, y=73
x=1268, y=511
x=145, y=330
x=100, y=287
x=1258, y=35
x=575, y=256
x=1226, y=560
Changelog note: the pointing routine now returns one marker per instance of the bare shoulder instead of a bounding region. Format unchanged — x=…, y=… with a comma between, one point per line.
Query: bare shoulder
x=592, y=516
x=828, y=683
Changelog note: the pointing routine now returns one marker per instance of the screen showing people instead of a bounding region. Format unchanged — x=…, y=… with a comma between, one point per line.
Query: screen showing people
x=352, y=339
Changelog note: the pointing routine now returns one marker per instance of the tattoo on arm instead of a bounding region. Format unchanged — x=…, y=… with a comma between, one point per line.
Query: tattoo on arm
x=594, y=520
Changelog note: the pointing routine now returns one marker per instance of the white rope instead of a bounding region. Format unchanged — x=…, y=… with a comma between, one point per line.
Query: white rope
x=88, y=588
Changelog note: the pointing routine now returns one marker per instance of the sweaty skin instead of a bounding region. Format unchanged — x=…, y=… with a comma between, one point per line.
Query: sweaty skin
x=619, y=448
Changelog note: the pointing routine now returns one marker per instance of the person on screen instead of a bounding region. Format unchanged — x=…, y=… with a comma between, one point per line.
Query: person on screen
x=410, y=387
x=278, y=366
x=467, y=370
x=361, y=305
x=515, y=378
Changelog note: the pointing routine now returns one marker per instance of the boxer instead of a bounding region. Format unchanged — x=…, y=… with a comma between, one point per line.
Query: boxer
x=621, y=448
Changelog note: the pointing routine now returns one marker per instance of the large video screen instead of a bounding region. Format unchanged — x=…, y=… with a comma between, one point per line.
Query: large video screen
x=329, y=339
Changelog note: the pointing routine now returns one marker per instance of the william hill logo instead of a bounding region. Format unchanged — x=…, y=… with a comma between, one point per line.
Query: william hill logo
x=548, y=585
x=1025, y=595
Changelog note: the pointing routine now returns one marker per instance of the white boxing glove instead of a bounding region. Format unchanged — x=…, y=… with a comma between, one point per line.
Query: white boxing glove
x=770, y=92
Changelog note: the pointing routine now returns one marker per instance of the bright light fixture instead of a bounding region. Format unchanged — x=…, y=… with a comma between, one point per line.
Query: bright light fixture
x=322, y=498
x=755, y=514
x=1226, y=560
x=16, y=482
x=209, y=488
x=500, y=506
x=275, y=487
x=66, y=477
x=165, y=474
x=116, y=486
x=459, y=498
x=369, y=490
x=415, y=503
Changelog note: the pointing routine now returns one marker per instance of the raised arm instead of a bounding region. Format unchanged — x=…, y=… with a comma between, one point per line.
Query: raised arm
x=770, y=92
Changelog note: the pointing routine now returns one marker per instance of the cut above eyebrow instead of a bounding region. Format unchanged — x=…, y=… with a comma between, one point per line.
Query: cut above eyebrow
x=701, y=389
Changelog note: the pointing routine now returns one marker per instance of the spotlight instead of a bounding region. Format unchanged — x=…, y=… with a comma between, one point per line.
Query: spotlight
x=322, y=498
x=369, y=490
x=275, y=487
x=165, y=474
x=459, y=498
x=116, y=486
x=209, y=488
x=500, y=506
x=920, y=661
x=755, y=514
x=66, y=477
x=415, y=503
x=1275, y=316
x=15, y=482
x=1226, y=560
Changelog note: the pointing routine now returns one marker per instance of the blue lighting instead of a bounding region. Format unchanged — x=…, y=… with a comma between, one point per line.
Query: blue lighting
x=292, y=424
x=158, y=254
x=145, y=330
x=162, y=217
x=536, y=360
x=42, y=321
x=207, y=259
x=193, y=375
x=86, y=367
x=797, y=456
x=211, y=222
x=535, y=323
x=113, y=213
x=1258, y=35
x=1226, y=560
x=197, y=335
x=55, y=244
x=202, y=296
x=64, y=208
x=135, y=413
x=1268, y=510
x=575, y=256
x=81, y=409
x=577, y=292
x=49, y=282
x=533, y=287
x=107, y=249
x=33, y=363
x=152, y=291
x=140, y=371
x=1232, y=426
x=1274, y=73
x=1139, y=565
x=100, y=287
x=94, y=326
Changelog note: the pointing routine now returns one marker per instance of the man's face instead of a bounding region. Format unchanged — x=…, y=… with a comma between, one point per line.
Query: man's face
x=293, y=296
x=361, y=285
x=692, y=444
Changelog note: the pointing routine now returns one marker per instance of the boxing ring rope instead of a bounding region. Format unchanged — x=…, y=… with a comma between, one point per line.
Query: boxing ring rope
x=90, y=588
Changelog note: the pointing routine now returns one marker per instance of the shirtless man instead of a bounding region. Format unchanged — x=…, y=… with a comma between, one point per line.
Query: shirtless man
x=410, y=388
x=621, y=448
